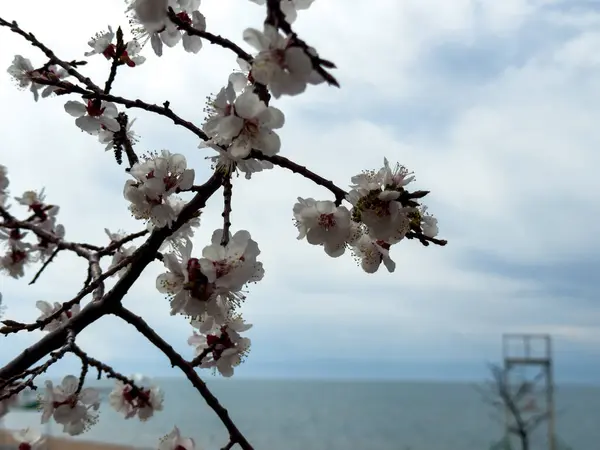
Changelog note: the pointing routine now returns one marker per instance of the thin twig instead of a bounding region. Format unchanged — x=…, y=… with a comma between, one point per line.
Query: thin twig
x=212, y=38
x=229, y=445
x=14, y=27
x=281, y=161
x=12, y=223
x=46, y=264
x=114, y=246
x=15, y=327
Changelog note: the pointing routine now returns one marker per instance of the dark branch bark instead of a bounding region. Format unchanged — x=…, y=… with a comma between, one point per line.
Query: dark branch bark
x=177, y=361
x=93, y=311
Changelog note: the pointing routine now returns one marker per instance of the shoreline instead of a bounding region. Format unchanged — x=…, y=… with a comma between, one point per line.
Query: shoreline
x=60, y=443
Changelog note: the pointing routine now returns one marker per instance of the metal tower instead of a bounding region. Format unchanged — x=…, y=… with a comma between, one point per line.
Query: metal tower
x=522, y=351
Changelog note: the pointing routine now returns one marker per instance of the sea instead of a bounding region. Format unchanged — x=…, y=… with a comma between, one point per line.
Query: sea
x=337, y=415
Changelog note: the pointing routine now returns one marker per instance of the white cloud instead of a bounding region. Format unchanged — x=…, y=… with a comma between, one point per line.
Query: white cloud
x=512, y=173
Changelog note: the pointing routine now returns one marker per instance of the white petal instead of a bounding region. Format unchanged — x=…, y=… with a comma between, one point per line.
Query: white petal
x=248, y=105
x=272, y=118
x=110, y=109
x=298, y=62
x=256, y=39
x=110, y=123
x=69, y=384
x=268, y=142
x=76, y=109
x=238, y=80
x=156, y=44
x=192, y=44
x=89, y=124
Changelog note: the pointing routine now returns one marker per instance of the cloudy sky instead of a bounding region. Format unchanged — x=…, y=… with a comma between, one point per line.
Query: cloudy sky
x=494, y=105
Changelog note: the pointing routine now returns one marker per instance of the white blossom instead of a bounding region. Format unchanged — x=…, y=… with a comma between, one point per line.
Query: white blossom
x=163, y=174
x=250, y=126
x=131, y=55
x=192, y=43
x=94, y=115
x=22, y=71
x=289, y=8
x=284, y=68
x=14, y=261
x=107, y=137
x=428, y=223
x=101, y=44
x=185, y=232
x=323, y=223
x=75, y=411
x=49, y=309
x=141, y=401
x=156, y=179
x=211, y=284
x=29, y=439
x=229, y=164
x=174, y=441
x=372, y=253
x=226, y=346
x=374, y=197
x=150, y=12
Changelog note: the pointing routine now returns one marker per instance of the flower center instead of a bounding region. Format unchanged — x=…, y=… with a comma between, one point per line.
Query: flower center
x=71, y=402
x=94, y=107
x=110, y=51
x=17, y=256
x=38, y=210
x=185, y=18
x=198, y=284
x=219, y=343
x=136, y=397
x=250, y=127
x=327, y=221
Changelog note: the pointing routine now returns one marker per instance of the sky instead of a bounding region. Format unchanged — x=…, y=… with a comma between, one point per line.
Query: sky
x=493, y=105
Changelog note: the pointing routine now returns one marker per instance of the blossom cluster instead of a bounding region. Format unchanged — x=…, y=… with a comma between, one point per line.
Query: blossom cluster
x=382, y=214
x=18, y=252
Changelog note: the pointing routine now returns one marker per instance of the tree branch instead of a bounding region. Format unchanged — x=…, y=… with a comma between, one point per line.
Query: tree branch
x=281, y=161
x=14, y=27
x=227, y=194
x=177, y=361
x=12, y=223
x=94, y=310
x=212, y=38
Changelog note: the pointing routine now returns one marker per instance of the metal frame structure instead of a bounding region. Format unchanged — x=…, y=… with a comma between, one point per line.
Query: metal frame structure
x=529, y=357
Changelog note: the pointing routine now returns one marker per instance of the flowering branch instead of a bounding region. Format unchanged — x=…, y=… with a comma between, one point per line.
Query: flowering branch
x=177, y=360
x=53, y=59
x=11, y=223
x=212, y=38
x=10, y=326
x=116, y=62
x=240, y=127
x=276, y=18
x=31, y=373
x=93, y=311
